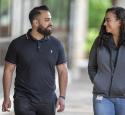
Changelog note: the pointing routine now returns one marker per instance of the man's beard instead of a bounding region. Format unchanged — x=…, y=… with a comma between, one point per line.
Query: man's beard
x=44, y=31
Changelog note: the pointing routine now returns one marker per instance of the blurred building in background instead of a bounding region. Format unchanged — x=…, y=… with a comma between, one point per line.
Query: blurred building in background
x=13, y=21
x=118, y=3
x=70, y=19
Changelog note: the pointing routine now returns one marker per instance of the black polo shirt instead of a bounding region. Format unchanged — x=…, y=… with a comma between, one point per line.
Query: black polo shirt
x=35, y=65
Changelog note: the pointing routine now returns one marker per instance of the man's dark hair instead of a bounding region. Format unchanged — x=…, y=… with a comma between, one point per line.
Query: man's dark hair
x=36, y=11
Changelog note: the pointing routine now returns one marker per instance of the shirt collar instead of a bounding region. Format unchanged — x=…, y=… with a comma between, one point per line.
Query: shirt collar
x=30, y=37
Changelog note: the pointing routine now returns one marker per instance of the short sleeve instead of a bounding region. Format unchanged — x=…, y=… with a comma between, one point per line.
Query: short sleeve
x=11, y=53
x=61, y=55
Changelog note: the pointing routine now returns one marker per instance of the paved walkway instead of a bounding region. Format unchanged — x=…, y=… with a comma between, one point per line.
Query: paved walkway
x=79, y=97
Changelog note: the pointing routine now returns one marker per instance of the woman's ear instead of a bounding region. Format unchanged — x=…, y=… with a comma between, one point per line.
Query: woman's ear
x=120, y=22
x=121, y=25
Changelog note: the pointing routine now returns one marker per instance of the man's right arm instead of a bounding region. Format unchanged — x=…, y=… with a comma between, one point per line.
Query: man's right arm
x=7, y=80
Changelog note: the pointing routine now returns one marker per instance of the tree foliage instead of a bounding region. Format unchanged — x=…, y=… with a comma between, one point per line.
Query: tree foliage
x=97, y=10
x=59, y=10
x=4, y=6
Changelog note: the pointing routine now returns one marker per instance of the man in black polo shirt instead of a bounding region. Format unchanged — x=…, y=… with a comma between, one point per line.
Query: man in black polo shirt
x=35, y=56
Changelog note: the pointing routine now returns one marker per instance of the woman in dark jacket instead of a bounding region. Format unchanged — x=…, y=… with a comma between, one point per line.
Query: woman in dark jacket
x=106, y=66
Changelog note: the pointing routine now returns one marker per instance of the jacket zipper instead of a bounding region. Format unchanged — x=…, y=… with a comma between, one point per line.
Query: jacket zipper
x=112, y=72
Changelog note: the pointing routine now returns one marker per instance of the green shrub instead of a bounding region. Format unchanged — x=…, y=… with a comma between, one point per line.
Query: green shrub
x=92, y=34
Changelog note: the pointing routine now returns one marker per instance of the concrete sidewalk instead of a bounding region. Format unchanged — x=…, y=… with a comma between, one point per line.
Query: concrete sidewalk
x=79, y=96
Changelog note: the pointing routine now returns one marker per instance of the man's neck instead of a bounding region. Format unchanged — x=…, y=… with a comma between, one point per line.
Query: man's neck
x=36, y=35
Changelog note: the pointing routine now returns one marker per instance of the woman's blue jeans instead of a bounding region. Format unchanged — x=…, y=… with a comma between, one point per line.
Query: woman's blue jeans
x=108, y=106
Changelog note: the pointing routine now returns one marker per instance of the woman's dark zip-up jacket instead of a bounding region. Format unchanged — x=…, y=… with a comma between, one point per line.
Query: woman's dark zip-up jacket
x=107, y=76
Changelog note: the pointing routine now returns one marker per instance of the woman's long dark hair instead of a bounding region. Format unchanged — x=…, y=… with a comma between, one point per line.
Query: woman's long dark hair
x=103, y=35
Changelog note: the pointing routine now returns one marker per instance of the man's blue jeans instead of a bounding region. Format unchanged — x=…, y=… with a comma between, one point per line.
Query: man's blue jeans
x=108, y=106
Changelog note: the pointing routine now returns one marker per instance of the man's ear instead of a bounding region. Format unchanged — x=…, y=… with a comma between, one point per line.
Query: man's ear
x=35, y=22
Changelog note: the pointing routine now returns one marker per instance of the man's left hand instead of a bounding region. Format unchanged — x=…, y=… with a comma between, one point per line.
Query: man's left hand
x=60, y=104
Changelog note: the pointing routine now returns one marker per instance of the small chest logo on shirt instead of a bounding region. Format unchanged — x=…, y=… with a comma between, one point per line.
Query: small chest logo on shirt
x=51, y=51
